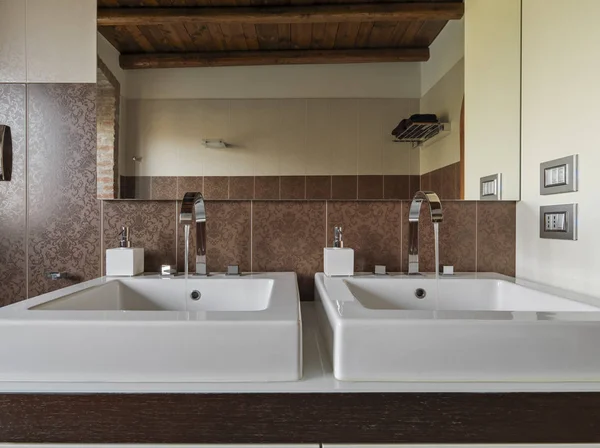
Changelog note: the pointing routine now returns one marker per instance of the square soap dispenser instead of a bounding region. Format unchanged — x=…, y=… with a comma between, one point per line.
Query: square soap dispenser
x=338, y=260
x=124, y=260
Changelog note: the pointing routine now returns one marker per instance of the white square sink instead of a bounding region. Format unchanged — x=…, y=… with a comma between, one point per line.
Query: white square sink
x=482, y=327
x=149, y=329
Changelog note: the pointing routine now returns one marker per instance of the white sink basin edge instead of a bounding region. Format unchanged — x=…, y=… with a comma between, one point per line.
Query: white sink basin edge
x=148, y=329
x=376, y=329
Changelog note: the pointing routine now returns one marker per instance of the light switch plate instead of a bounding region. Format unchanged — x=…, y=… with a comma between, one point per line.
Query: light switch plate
x=558, y=222
x=559, y=175
x=490, y=187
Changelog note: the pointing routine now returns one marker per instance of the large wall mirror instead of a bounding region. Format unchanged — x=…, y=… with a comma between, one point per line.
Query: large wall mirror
x=383, y=108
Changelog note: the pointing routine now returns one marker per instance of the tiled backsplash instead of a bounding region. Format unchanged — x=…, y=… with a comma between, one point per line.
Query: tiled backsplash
x=290, y=235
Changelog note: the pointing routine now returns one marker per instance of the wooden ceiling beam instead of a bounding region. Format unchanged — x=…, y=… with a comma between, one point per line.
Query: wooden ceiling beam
x=368, y=12
x=285, y=57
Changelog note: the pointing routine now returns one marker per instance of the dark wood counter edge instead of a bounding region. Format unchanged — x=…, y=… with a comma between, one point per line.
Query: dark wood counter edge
x=301, y=418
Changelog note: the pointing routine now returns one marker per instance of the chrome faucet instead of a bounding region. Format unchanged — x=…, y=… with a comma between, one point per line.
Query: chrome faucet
x=435, y=209
x=192, y=207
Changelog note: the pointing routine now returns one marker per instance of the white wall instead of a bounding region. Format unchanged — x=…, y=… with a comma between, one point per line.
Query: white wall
x=269, y=136
x=382, y=80
x=447, y=49
x=445, y=100
x=492, y=94
x=560, y=100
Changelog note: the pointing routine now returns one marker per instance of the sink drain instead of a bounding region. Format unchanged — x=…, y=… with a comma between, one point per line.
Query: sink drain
x=195, y=295
x=420, y=293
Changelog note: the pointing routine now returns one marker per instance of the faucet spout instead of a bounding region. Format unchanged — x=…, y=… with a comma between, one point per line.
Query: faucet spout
x=192, y=209
x=435, y=210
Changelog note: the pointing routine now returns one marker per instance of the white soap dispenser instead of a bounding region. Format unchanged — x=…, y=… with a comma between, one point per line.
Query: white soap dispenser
x=124, y=260
x=338, y=260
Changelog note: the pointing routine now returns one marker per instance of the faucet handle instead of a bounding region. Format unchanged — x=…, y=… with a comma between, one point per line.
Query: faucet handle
x=167, y=270
x=233, y=270
x=380, y=269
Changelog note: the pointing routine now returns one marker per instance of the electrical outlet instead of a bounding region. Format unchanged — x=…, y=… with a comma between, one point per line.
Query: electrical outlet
x=558, y=222
x=555, y=222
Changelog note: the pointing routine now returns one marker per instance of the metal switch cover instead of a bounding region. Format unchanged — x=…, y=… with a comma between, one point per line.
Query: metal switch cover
x=558, y=222
x=559, y=175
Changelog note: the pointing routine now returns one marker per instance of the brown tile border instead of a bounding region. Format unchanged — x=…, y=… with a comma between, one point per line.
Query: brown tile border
x=237, y=188
x=216, y=187
x=266, y=187
x=241, y=187
x=344, y=187
x=370, y=187
x=292, y=187
x=318, y=187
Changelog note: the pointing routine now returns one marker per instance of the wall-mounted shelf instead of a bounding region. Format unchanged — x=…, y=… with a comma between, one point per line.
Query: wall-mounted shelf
x=419, y=133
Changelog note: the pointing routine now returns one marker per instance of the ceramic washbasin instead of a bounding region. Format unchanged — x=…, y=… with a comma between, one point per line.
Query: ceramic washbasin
x=482, y=327
x=149, y=329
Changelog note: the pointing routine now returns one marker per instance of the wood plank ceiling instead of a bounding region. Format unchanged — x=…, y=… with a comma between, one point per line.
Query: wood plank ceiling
x=191, y=33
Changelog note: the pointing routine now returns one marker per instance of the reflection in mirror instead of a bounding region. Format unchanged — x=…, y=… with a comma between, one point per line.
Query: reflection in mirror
x=303, y=131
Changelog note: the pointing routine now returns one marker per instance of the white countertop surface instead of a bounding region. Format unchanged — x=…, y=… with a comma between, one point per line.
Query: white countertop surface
x=318, y=378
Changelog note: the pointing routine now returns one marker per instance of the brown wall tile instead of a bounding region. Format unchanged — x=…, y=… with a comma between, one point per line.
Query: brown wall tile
x=415, y=185
x=457, y=237
x=142, y=187
x=372, y=229
x=266, y=187
x=13, y=232
x=241, y=187
x=396, y=187
x=152, y=226
x=370, y=187
x=216, y=187
x=228, y=235
x=293, y=187
x=64, y=214
x=318, y=187
x=189, y=184
x=425, y=182
x=496, y=237
x=344, y=187
x=164, y=188
x=289, y=236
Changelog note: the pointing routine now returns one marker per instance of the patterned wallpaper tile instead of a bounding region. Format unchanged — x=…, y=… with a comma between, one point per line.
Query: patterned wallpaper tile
x=228, y=235
x=372, y=229
x=152, y=226
x=216, y=187
x=458, y=237
x=13, y=263
x=164, y=188
x=64, y=214
x=289, y=236
x=496, y=237
x=189, y=184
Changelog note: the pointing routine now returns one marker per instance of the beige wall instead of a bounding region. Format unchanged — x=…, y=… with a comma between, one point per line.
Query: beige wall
x=560, y=98
x=492, y=94
x=268, y=136
x=445, y=100
x=445, y=51
x=61, y=41
x=381, y=80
